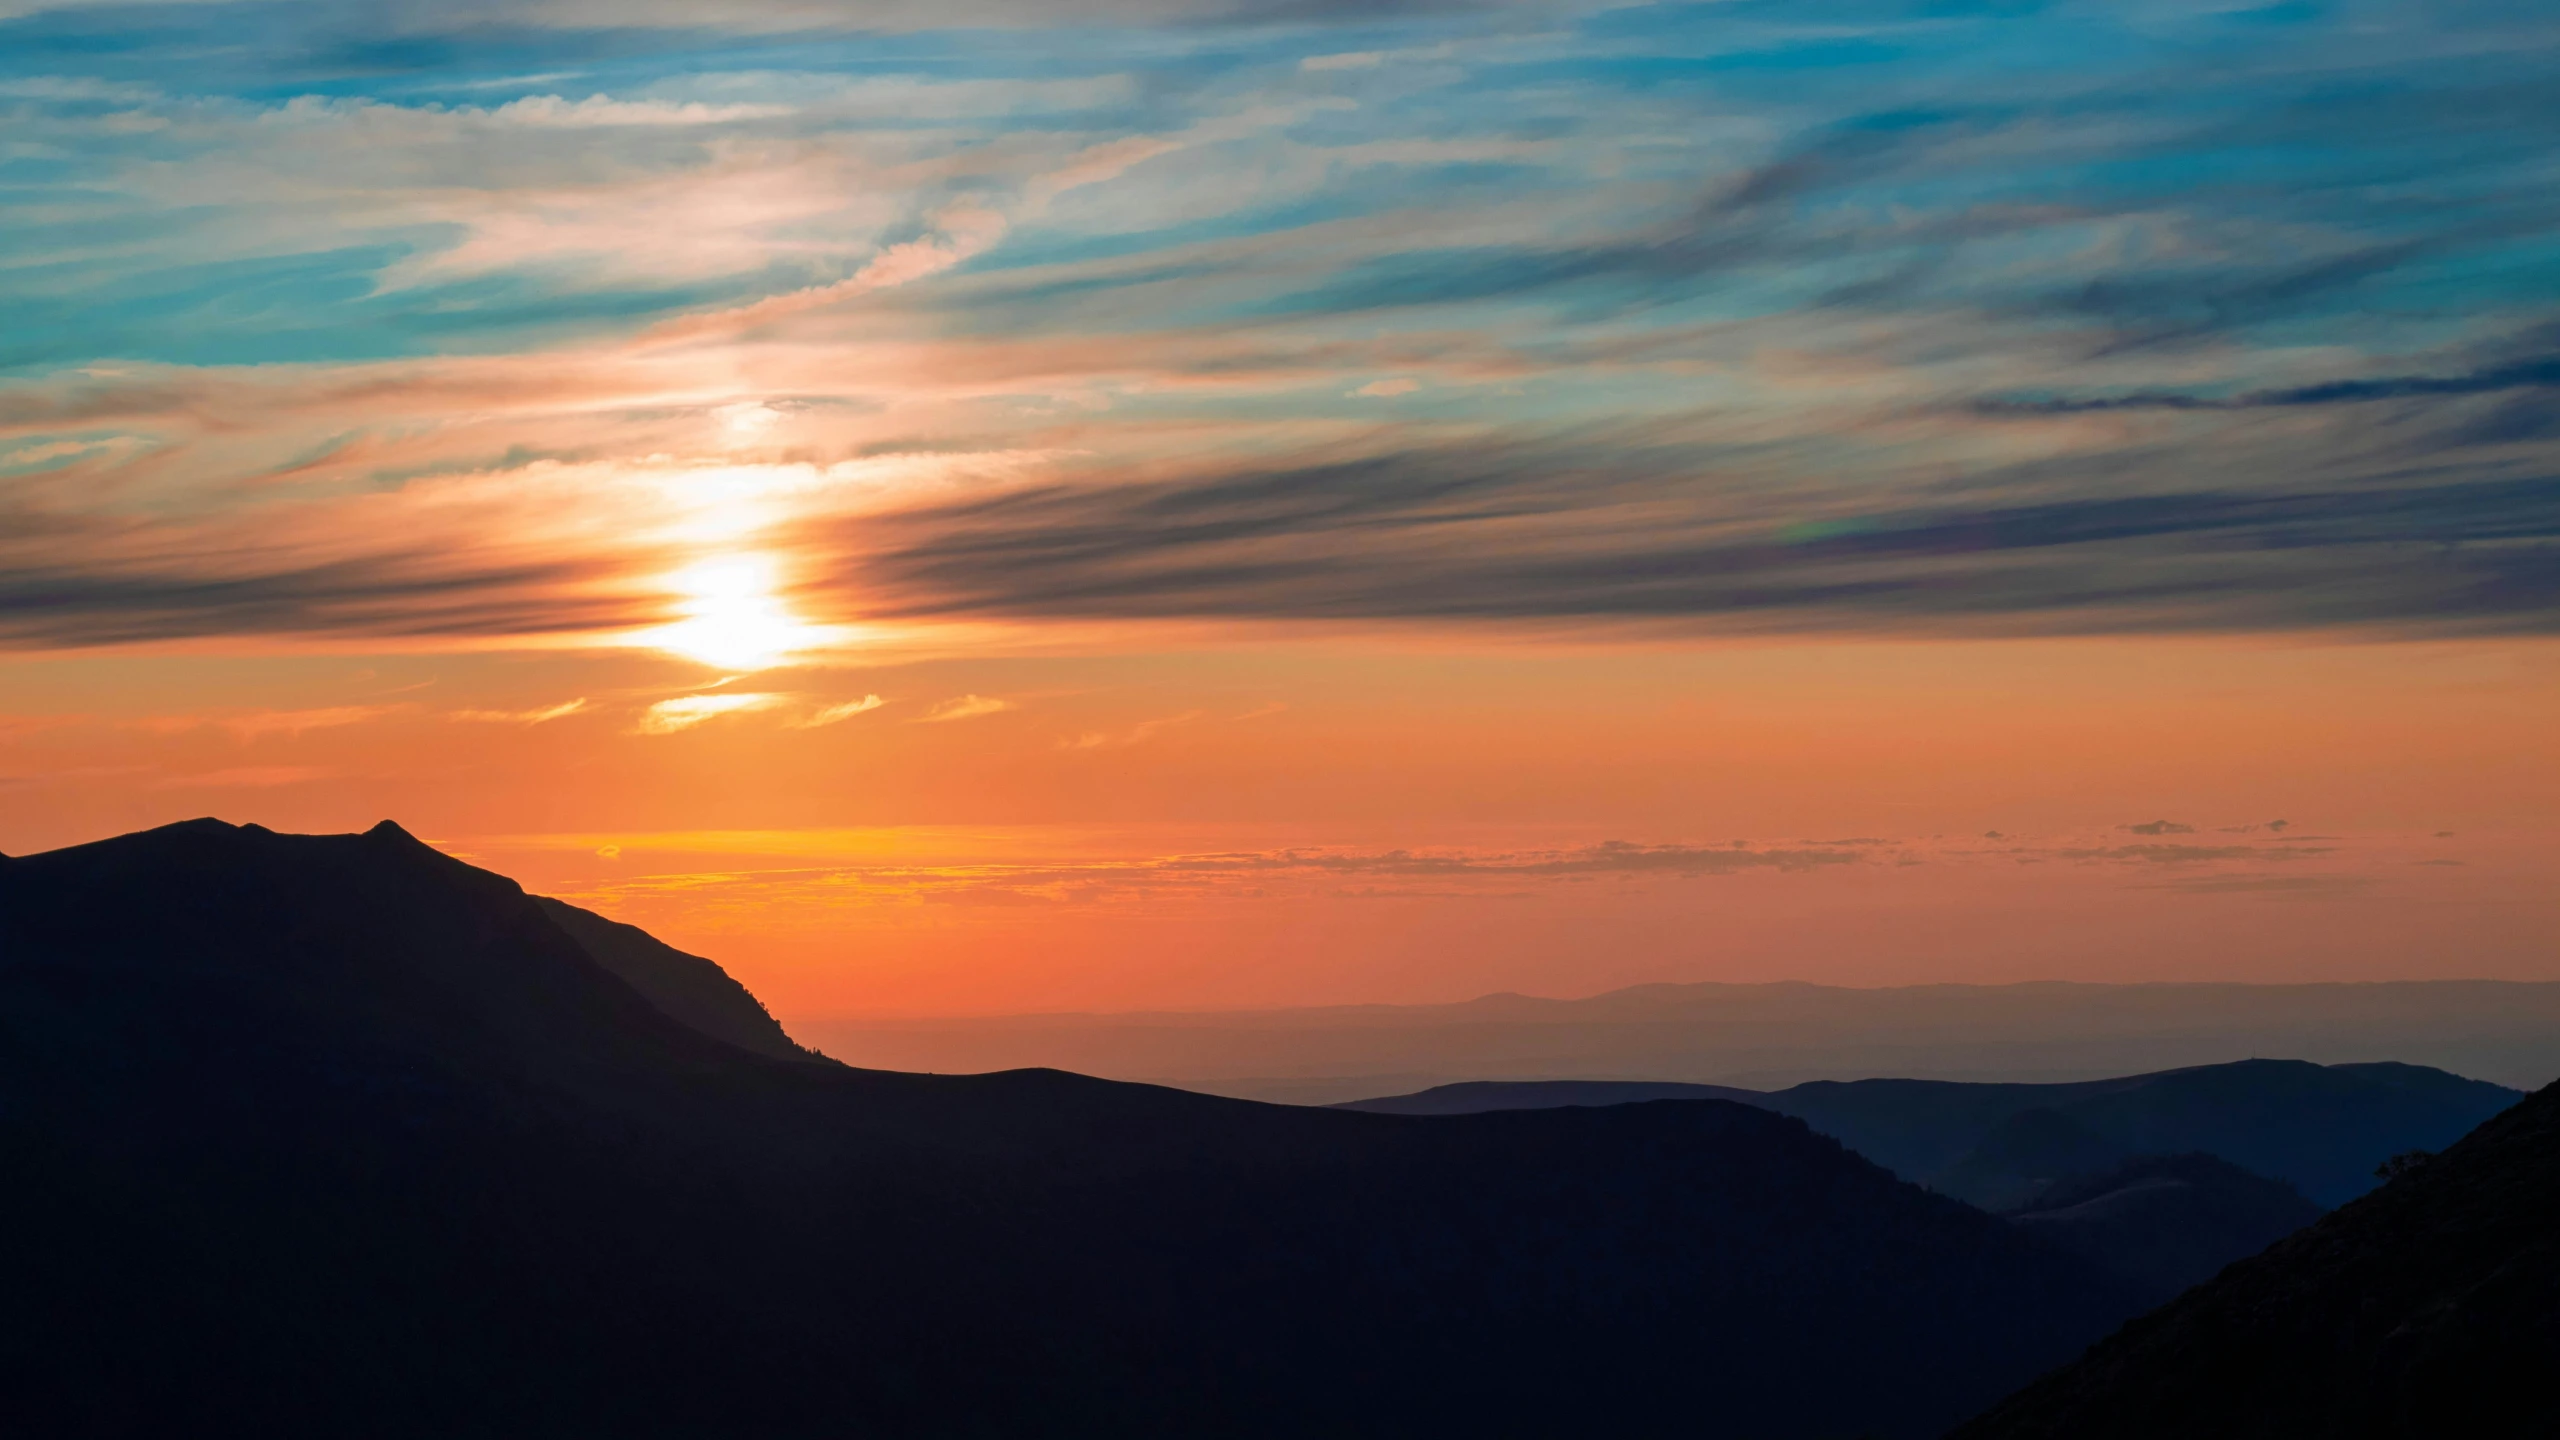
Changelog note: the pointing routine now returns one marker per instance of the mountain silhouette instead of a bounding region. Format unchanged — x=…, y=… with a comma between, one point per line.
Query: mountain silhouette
x=1475, y=1097
x=2026, y=1155
x=2321, y=1128
x=2165, y=1222
x=2428, y=1308
x=337, y=1135
x=684, y=987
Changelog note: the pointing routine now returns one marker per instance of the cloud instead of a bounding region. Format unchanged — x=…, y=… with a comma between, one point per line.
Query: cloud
x=2192, y=854
x=1456, y=874
x=2541, y=372
x=958, y=233
x=296, y=722
x=1542, y=531
x=2304, y=886
x=965, y=707
x=221, y=591
x=761, y=18
x=1137, y=734
x=2160, y=827
x=602, y=110
x=1898, y=328
x=522, y=717
x=834, y=713
x=666, y=717
x=257, y=724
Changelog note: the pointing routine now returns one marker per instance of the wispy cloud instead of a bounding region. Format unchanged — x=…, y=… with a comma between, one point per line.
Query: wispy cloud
x=818, y=872
x=251, y=725
x=2299, y=886
x=2191, y=854
x=666, y=717
x=831, y=714
x=1920, y=321
x=1137, y=734
x=535, y=716
x=597, y=110
x=965, y=707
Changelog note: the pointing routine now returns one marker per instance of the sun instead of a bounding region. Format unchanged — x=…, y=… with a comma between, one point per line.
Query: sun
x=734, y=617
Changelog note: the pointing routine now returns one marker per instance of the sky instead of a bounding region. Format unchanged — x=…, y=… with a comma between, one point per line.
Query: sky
x=968, y=507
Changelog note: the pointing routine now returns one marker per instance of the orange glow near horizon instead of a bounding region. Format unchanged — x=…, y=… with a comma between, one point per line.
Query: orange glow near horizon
x=1324, y=824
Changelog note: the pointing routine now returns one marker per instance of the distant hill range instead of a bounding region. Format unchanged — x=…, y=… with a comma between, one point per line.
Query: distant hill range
x=2428, y=1308
x=2322, y=1129
x=1762, y=1037
x=2163, y=1178
x=2165, y=1222
x=337, y=1135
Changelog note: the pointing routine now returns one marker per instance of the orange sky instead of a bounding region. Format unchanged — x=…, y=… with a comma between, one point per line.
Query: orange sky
x=1222, y=828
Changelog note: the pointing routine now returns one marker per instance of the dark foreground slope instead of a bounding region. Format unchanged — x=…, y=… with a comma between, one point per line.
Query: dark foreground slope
x=687, y=987
x=337, y=1135
x=2428, y=1308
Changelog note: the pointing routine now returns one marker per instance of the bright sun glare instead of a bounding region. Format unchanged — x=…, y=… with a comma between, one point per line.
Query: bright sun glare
x=734, y=617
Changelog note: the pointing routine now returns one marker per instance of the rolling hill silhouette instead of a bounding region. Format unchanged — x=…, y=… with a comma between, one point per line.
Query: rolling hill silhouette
x=2428, y=1308
x=2165, y=1222
x=335, y=1134
x=2162, y=1178
x=2321, y=1128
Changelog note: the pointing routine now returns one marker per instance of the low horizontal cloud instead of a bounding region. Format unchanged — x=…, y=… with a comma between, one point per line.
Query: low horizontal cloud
x=965, y=707
x=222, y=593
x=1546, y=532
x=2540, y=372
x=1336, y=873
x=2304, y=886
x=832, y=714
x=251, y=725
x=2191, y=854
x=666, y=717
x=598, y=110
x=535, y=716
x=1137, y=734
x=296, y=722
x=816, y=871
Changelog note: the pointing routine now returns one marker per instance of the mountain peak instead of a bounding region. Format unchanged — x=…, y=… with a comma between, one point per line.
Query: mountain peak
x=315, y=1123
